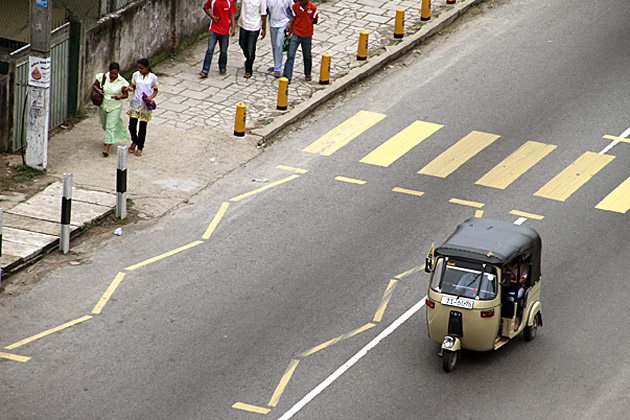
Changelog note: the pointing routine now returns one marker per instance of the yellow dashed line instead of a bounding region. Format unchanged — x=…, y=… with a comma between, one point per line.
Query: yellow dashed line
x=410, y=272
x=466, y=203
x=292, y=169
x=14, y=357
x=385, y=300
x=478, y=213
x=410, y=192
x=166, y=254
x=337, y=339
x=47, y=332
x=528, y=215
x=623, y=139
x=266, y=187
x=251, y=408
x=350, y=180
x=108, y=294
x=283, y=383
x=215, y=221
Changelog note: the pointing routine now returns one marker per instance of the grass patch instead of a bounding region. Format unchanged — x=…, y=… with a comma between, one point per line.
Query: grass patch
x=26, y=172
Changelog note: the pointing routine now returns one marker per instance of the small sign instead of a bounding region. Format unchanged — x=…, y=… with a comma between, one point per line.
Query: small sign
x=41, y=3
x=39, y=71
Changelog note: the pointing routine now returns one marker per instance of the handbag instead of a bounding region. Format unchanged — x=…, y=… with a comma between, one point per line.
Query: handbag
x=95, y=96
x=286, y=42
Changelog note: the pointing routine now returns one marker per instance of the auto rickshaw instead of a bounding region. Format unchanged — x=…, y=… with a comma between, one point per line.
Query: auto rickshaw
x=484, y=288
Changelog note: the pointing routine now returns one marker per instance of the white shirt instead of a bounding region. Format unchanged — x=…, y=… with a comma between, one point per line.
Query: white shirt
x=278, y=17
x=251, y=12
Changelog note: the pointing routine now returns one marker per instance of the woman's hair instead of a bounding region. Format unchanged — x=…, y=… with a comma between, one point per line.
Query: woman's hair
x=144, y=62
x=114, y=66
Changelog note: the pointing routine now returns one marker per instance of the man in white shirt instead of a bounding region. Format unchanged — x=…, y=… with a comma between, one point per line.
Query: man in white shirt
x=253, y=21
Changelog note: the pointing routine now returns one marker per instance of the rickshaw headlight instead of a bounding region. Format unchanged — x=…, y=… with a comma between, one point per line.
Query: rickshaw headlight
x=448, y=342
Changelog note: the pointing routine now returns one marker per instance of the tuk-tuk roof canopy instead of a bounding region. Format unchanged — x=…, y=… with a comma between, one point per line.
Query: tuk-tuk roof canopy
x=492, y=242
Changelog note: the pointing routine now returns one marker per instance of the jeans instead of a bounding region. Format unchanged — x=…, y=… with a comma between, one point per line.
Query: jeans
x=247, y=41
x=305, y=42
x=224, y=41
x=277, y=36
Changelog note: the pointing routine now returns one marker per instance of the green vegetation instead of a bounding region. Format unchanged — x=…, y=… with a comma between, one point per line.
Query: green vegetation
x=26, y=172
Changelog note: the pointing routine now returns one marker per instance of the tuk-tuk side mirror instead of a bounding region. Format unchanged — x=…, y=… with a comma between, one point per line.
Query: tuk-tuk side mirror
x=428, y=261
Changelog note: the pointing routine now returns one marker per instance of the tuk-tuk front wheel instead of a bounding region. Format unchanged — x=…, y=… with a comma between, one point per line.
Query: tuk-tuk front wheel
x=530, y=331
x=449, y=360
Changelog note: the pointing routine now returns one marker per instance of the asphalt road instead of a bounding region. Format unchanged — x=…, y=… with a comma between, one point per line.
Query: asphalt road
x=292, y=282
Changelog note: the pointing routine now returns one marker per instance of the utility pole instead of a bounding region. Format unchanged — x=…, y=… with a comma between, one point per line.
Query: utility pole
x=39, y=84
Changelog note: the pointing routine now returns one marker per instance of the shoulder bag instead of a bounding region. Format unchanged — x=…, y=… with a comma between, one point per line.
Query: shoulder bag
x=95, y=96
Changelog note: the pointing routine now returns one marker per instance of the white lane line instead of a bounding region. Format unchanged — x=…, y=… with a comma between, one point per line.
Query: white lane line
x=520, y=220
x=353, y=360
x=615, y=142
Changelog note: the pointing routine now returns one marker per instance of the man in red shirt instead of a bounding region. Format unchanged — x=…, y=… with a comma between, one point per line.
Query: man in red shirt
x=304, y=15
x=221, y=13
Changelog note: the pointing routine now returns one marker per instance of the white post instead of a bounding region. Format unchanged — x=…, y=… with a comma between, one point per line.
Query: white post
x=121, y=183
x=1, y=215
x=66, y=210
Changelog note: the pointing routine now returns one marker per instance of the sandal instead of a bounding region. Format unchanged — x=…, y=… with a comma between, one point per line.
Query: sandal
x=132, y=148
x=203, y=75
x=138, y=152
x=247, y=75
x=308, y=78
x=277, y=74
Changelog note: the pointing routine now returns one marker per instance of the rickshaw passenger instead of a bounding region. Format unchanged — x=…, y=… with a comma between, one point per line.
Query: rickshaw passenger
x=463, y=287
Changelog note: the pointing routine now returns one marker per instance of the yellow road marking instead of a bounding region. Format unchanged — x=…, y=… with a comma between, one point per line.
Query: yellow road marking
x=410, y=272
x=108, y=293
x=216, y=220
x=251, y=408
x=266, y=187
x=283, y=383
x=350, y=180
x=458, y=154
x=574, y=176
x=344, y=133
x=406, y=191
x=337, y=339
x=14, y=357
x=166, y=254
x=466, y=203
x=623, y=139
x=618, y=200
x=47, y=332
x=478, y=213
x=292, y=169
x=516, y=164
x=394, y=148
x=528, y=215
x=385, y=300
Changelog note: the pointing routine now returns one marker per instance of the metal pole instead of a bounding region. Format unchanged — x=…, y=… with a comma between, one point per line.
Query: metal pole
x=121, y=183
x=66, y=210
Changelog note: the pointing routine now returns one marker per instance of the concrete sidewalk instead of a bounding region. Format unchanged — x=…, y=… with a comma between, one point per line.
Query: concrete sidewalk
x=190, y=141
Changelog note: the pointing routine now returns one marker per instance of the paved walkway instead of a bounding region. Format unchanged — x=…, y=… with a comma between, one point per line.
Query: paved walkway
x=190, y=141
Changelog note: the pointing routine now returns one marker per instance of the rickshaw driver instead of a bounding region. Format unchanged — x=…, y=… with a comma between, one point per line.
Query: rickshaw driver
x=517, y=284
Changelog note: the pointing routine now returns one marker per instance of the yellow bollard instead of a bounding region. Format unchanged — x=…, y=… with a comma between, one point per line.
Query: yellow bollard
x=324, y=70
x=239, y=123
x=283, y=94
x=450, y=1
x=363, y=46
x=425, y=10
x=399, y=26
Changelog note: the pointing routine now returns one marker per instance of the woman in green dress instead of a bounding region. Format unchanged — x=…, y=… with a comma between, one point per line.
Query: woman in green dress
x=114, y=89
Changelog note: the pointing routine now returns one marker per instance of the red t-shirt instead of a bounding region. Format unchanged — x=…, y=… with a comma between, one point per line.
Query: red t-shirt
x=223, y=9
x=303, y=25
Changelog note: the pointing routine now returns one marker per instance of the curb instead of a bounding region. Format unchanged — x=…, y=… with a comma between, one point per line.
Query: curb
x=392, y=52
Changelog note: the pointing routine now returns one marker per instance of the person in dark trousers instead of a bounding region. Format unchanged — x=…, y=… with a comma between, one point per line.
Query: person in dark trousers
x=304, y=15
x=144, y=86
x=253, y=22
x=222, y=26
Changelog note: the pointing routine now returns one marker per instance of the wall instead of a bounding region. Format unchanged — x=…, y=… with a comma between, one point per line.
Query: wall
x=143, y=29
x=6, y=114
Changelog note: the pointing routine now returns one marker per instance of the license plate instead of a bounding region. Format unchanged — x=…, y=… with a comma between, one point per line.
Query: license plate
x=460, y=303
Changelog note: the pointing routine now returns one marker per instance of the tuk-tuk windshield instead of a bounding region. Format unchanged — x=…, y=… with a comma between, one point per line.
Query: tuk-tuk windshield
x=465, y=279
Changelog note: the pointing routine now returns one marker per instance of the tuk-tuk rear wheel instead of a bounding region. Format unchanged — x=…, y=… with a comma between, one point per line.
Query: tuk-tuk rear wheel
x=530, y=331
x=449, y=360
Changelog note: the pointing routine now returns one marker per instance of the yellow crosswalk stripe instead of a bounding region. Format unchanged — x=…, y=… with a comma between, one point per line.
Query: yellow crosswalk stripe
x=458, y=154
x=344, y=133
x=516, y=165
x=574, y=176
x=394, y=148
x=618, y=200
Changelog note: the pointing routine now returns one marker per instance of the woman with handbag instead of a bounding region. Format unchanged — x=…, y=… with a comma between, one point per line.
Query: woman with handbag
x=113, y=87
x=144, y=86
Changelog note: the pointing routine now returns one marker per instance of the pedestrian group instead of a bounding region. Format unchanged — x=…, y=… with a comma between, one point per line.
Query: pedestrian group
x=290, y=26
